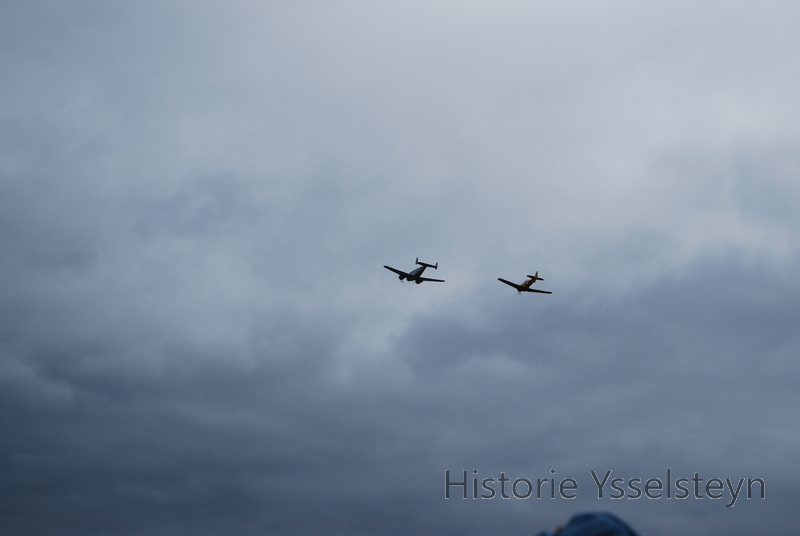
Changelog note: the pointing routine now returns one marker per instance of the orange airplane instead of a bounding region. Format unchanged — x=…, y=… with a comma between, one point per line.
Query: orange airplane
x=526, y=286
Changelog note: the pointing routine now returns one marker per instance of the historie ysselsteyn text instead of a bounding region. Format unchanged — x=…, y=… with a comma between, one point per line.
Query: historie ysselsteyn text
x=605, y=484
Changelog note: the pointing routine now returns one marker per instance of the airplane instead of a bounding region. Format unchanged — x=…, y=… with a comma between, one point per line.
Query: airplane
x=415, y=275
x=526, y=286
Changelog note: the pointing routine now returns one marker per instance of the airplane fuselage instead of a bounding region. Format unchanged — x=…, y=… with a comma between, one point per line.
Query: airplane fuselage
x=414, y=275
x=527, y=284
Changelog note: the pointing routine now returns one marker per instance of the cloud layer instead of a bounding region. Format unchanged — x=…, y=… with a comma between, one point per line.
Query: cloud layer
x=196, y=331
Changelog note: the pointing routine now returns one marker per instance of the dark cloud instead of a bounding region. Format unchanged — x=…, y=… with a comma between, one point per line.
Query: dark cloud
x=257, y=436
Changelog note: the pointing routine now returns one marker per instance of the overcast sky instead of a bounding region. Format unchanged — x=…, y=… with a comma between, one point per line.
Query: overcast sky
x=197, y=334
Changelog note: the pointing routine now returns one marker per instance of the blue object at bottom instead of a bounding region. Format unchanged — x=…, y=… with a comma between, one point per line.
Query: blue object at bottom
x=594, y=524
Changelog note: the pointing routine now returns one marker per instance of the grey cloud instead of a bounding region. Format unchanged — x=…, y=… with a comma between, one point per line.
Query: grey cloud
x=196, y=331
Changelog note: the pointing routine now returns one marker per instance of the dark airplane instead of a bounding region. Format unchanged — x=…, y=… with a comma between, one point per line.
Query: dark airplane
x=415, y=275
x=526, y=286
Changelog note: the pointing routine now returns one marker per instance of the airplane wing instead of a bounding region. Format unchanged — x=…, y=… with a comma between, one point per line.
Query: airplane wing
x=429, y=279
x=395, y=270
x=539, y=291
x=509, y=283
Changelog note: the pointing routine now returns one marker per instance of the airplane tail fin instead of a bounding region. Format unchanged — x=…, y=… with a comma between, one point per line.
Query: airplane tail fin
x=536, y=277
x=434, y=266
